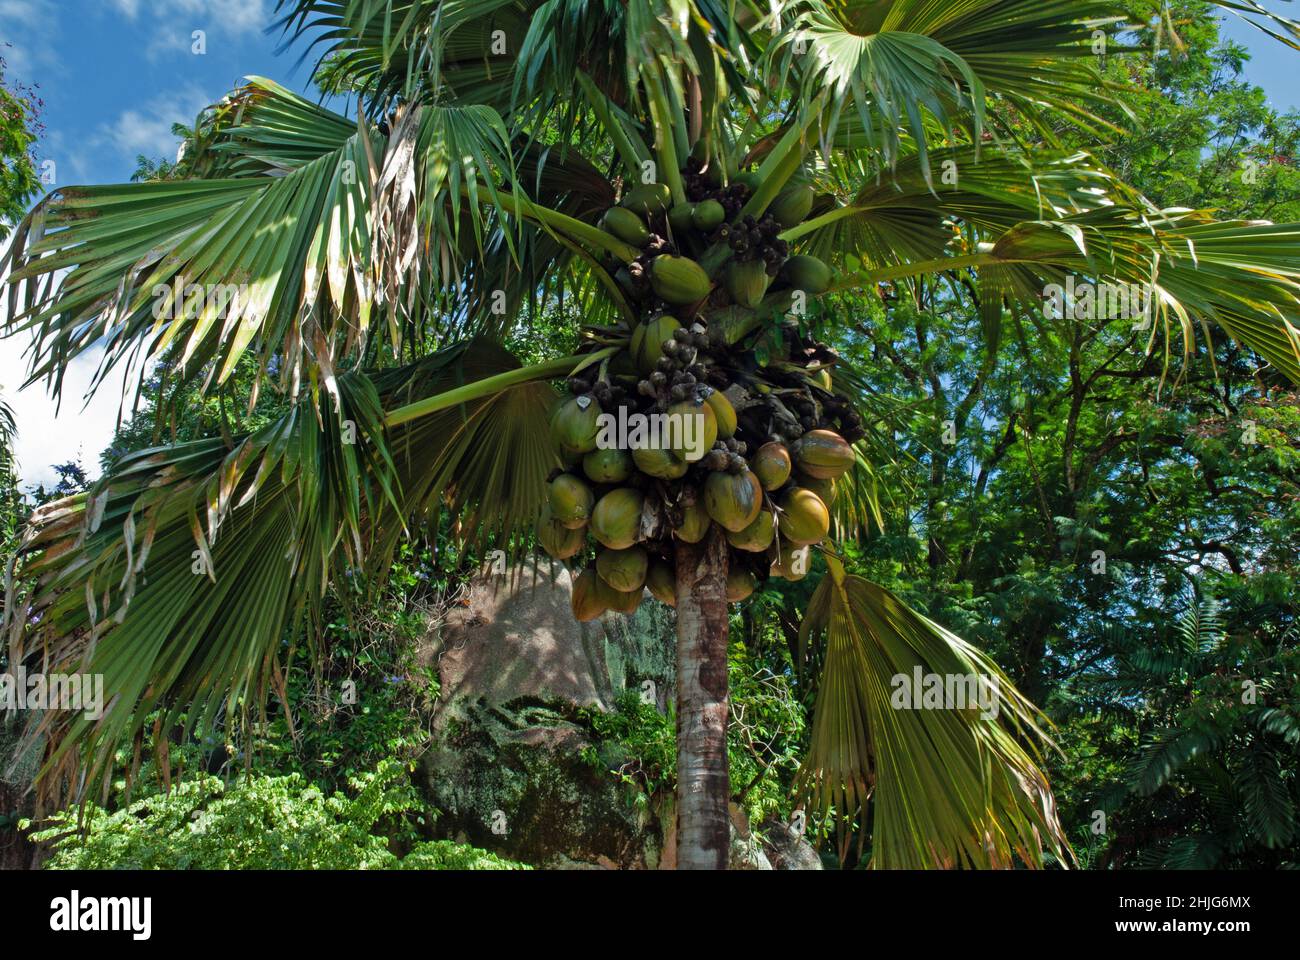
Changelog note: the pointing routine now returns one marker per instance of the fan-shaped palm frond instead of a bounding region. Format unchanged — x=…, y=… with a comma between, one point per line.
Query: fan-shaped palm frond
x=952, y=784
x=178, y=573
x=274, y=253
x=1243, y=276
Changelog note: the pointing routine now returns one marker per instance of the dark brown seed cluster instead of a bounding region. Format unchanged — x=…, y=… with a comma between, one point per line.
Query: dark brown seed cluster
x=703, y=185
x=752, y=239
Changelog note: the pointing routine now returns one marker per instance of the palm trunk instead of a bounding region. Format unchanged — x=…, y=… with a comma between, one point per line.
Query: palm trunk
x=703, y=789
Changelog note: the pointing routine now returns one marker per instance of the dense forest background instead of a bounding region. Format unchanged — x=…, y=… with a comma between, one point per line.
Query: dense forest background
x=1114, y=522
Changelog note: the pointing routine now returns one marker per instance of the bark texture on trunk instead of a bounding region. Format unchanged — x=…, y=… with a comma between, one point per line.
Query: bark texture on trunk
x=703, y=790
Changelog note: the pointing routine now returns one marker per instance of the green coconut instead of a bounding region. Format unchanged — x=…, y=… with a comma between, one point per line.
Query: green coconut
x=623, y=570
x=771, y=464
x=661, y=581
x=724, y=413
x=740, y=584
x=702, y=426
x=570, y=500
x=695, y=523
x=559, y=541
x=616, y=520
x=648, y=340
x=576, y=424
x=733, y=499
x=607, y=466
x=804, y=518
x=656, y=462
x=756, y=537
x=589, y=596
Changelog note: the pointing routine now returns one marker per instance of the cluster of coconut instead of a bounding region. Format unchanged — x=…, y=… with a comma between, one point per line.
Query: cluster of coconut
x=684, y=428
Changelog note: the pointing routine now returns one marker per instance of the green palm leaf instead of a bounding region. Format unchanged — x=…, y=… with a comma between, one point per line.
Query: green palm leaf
x=281, y=235
x=178, y=573
x=948, y=787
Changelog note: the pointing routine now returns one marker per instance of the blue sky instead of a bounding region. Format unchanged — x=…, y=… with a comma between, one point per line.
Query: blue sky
x=116, y=74
x=1272, y=64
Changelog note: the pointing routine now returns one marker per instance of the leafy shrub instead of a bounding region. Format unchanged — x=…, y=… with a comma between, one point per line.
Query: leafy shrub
x=262, y=822
x=639, y=744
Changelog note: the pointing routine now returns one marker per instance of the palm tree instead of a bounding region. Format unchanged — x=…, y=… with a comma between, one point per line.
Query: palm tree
x=386, y=252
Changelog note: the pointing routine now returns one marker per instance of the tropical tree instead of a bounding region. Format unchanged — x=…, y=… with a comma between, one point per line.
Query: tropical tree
x=711, y=185
x=19, y=127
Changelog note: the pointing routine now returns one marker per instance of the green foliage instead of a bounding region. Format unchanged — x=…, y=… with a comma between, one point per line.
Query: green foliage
x=765, y=736
x=19, y=127
x=1194, y=745
x=638, y=744
x=1070, y=438
x=370, y=646
x=263, y=822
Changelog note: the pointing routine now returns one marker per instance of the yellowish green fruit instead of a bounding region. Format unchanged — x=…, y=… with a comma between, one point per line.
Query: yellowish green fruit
x=740, y=584
x=806, y=273
x=680, y=217
x=607, y=466
x=661, y=580
x=679, y=280
x=589, y=596
x=570, y=500
x=804, y=518
x=792, y=205
x=697, y=422
x=825, y=489
x=623, y=570
x=824, y=454
x=771, y=465
x=791, y=562
x=733, y=499
x=648, y=342
x=648, y=199
x=622, y=601
x=559, y=541
x=725, y=414
x=616, y=520
x=708, y=215
x=663, y=464
x=626, y=225
x=575, y=424
x=756, y=537
x=695, y=523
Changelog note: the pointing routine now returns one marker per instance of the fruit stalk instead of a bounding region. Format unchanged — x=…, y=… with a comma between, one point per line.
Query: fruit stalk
x=482, y=388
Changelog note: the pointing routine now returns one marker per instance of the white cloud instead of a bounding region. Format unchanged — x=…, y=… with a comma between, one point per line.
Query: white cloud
x=26, y=27
x=148, y=129
x=174, y=21
x=230, y=16
x=47, y=434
